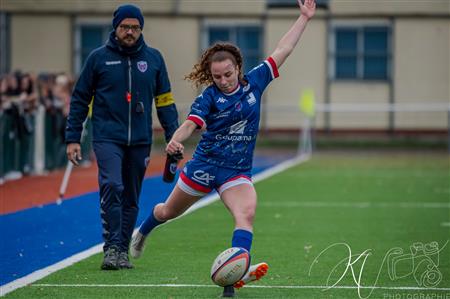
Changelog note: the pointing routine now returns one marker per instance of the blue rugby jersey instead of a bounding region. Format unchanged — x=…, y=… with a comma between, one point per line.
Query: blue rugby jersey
x=232, y=120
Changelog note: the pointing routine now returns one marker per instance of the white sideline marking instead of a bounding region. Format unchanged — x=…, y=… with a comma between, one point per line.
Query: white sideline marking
x=247, y=286
x=360, y=205
x=445, y=224
x=39, y=274
x=36, y=275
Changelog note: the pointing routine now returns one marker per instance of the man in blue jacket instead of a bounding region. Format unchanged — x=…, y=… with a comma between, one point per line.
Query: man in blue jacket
x=122, y=77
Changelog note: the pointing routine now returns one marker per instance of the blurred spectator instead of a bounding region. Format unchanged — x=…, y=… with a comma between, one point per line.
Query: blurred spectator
x=63, y=92
x=21, y=95
x=45, y=90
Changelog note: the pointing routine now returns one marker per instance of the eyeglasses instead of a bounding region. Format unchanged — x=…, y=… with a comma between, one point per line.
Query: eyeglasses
x=133, y=28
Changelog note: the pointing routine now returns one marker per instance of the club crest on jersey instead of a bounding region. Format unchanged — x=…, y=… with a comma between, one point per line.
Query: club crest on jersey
x=246, y=87
x=142, y=66
x=251, y=100
x=221, y=100
x=203, y=177
x=238, y=106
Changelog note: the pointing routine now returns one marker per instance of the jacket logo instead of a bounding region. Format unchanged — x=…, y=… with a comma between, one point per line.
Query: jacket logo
x=203, y=177
x=113, y=62
x=142, y=66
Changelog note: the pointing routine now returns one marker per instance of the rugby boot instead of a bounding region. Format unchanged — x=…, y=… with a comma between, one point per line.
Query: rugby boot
x=255, y=272
x=137, y=245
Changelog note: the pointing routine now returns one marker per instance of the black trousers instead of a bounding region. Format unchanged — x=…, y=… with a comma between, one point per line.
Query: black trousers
x=121, y=170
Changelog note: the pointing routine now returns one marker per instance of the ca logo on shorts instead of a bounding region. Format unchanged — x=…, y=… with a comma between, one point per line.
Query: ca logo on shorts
x=203, y=177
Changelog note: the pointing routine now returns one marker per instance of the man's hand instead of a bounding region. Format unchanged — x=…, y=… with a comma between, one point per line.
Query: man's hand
x=73, y=152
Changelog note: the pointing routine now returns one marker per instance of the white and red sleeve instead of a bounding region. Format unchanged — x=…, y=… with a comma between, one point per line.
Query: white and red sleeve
x=270, y=62
x=200, y=122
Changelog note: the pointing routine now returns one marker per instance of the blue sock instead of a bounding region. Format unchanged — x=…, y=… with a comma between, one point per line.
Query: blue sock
x=149, y=224
x=242, y=238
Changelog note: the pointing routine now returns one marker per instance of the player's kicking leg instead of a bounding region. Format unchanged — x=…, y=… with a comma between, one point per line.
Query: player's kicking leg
x=178, y=202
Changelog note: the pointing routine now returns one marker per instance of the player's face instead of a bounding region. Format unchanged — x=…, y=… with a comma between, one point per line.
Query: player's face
x=128, y=32
x=225, y=75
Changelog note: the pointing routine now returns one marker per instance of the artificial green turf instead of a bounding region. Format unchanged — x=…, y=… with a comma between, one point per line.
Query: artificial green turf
x=298, y=216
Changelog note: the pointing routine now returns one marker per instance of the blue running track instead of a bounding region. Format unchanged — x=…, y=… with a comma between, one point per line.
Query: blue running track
x=38, y=237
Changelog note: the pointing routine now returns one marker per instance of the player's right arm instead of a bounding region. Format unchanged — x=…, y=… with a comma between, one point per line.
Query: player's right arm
x=196, y=120
x=181, y=134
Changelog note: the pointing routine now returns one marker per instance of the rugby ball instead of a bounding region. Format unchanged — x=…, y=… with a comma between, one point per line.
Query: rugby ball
x=230, y=266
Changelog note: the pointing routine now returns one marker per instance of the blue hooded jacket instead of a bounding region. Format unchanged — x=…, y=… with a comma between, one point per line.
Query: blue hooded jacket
x=122, y=81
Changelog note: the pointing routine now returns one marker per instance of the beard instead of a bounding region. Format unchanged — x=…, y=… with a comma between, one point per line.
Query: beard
x=127, y=41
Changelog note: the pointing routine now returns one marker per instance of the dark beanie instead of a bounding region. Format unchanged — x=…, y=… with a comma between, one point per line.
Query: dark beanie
x=127, y=11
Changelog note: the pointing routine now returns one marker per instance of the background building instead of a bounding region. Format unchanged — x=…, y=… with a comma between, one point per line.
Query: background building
x=364, y=52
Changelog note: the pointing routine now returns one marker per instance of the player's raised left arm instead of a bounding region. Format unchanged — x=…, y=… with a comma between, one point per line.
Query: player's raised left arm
x=288, y=42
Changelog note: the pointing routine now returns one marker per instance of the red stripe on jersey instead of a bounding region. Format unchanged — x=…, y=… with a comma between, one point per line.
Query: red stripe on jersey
x=197, y=120
x=274, y=67
x=193, y=185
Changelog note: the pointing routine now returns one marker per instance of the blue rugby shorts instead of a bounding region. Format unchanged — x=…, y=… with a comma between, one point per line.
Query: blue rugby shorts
x=198, y=178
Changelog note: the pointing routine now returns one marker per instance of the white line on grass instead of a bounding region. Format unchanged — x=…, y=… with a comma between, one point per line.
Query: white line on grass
x=445, y=224
x=404, y=288
x=359, y=205
x=39, y=274
x=36, y=275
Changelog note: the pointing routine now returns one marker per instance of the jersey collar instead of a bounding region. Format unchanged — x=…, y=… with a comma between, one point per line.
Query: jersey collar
x=238, y=87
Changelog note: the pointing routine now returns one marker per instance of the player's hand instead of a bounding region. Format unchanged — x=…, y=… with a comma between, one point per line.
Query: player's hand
x=174, y=147
x=73, y=151
x=308, y=8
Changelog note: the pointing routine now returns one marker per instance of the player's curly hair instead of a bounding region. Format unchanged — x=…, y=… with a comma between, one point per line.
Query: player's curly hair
x=201, y=73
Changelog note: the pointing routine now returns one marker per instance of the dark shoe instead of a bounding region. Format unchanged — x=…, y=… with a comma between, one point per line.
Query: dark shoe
x=110, y=261
x=124, y=261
